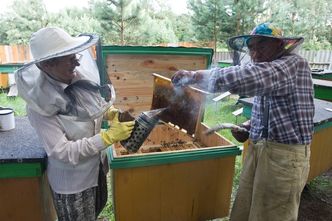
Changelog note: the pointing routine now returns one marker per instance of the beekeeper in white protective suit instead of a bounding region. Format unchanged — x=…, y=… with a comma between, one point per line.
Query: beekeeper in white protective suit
x=64, y=105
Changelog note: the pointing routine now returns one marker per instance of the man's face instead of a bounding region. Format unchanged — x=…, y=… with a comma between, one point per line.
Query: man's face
x=62, y=68
x=263, y=49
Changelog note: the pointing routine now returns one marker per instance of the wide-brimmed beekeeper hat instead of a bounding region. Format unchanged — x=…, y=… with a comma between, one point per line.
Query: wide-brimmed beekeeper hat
x=52, y=42
x=267, y=31
x=37, y=88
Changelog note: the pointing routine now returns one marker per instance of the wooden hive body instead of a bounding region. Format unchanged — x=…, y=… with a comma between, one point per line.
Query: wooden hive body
x=179, y=173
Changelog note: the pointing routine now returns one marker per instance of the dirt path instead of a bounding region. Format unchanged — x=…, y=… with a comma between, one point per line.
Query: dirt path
x=316, y=200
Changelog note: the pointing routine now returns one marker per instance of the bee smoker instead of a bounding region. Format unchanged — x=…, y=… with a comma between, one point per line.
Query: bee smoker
x=144, y=124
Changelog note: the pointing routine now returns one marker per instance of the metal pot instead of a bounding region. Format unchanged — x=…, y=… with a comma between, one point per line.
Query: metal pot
x=7, y=120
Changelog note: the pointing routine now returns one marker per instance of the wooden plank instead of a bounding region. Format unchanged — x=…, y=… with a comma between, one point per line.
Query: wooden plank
x=133, y=100
x=135, y=104
x=26, y=199
x=322, y=83
x=154, y=63
x=131, y=75
x=321, y=153
x=237, y=112
x=212, y=140
x=221, y=96
x=9, y=54
x=15, y=54
x=131, y=90
x=4, y=83
x=197, y=190
x=11, y=190
x=21, y=54
x=123, y=76
x=2, y=54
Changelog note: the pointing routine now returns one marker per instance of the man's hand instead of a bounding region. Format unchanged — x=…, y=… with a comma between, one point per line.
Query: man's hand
x=183, y=78
x=241, y=136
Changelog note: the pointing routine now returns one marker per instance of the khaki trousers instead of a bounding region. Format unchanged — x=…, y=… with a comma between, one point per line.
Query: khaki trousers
x=271, y=182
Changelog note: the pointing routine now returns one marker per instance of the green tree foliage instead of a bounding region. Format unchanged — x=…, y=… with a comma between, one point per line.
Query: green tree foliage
x=310, y=19
x=116, y=16
x=142, y=22
x=211, y=19
x=183, y=28
x=153, y=31
x=75, y=21
x=25, y=17
x=149, y=22
x=157, y=26
x=246, y=13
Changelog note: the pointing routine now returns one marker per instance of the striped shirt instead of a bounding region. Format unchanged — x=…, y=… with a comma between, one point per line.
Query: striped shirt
x=287, y=84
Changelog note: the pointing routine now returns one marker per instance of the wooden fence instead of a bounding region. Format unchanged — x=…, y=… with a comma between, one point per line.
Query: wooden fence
x=317, y=59
x=14, y=54
x=21, y=54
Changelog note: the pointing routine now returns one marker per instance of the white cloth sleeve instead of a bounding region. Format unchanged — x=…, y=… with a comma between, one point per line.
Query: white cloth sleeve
x=56, y=143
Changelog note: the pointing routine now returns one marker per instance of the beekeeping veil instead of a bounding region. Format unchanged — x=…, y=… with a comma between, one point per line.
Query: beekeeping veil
x=240, y=46
x=81, y=99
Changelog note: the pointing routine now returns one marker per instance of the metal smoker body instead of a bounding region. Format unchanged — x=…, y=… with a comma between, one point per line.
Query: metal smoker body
x=144, y=124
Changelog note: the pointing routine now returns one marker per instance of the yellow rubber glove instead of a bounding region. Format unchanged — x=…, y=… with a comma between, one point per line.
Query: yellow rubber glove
x=118, y=131
x=110, y=113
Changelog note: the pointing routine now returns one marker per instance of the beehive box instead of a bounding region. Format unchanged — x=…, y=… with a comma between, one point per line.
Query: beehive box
x=179, y=173
x=129, y=69
x=323, y=89
x=6, y=69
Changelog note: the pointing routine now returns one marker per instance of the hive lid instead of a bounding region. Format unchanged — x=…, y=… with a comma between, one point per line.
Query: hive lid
x=185, y=105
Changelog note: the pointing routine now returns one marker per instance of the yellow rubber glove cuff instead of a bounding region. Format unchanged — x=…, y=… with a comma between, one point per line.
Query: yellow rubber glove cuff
x=118, y=131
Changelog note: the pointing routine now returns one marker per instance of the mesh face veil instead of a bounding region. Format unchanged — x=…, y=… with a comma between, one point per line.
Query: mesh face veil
x=70, y=85
x=264, y=43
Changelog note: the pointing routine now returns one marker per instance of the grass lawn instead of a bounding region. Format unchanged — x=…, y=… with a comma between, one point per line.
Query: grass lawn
x=221, y=112
x=17, y=104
